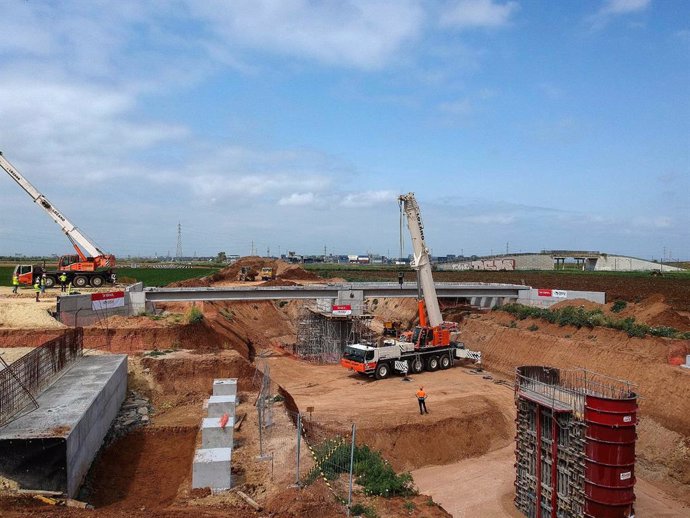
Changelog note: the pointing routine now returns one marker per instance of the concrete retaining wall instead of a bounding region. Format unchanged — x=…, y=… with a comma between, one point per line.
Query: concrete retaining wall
x=77, y=309
x=617, y=263
x=52, y=447
x=547, y=298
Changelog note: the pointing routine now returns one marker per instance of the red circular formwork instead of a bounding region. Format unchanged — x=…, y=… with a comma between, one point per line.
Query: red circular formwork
x=610, y=453
x=605, y=433
x=610, y=456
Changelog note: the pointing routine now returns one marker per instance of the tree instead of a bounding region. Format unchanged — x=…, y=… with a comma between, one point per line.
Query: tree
x=221, y=257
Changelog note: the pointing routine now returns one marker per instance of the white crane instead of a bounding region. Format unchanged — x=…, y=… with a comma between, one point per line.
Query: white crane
x=421, y=261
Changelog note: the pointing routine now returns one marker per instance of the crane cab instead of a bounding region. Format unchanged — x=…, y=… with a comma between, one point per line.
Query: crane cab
x=26, y=273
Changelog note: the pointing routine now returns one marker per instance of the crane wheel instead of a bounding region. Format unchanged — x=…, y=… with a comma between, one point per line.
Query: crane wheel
x=50, y=281
x=80, y=281
x=416, y=366
x=432, y=363
x=445, y=362
x=382, y=371
x=97, y=281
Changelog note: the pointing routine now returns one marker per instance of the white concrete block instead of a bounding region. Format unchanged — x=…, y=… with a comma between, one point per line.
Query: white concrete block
x=219, y=405
x=213, y=435
x=212, y=468
x=225, y=387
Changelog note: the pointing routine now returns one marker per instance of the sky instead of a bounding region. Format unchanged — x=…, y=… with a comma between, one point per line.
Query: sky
x=293, y=125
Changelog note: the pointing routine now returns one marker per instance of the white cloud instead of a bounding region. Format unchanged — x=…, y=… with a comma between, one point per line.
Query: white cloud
x=466, y=14
x=367, y=198
x=364, y=34
x=298, y=199
x=623, y=6
x=613, y=8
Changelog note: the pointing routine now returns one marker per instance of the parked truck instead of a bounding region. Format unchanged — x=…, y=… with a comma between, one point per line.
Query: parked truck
x=431, y=345
x=89, y=267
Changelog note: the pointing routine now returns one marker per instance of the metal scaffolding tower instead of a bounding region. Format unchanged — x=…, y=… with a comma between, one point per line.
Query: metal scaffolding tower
x=322, y=336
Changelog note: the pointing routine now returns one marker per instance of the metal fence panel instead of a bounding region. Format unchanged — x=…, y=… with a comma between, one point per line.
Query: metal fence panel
x=24, y=379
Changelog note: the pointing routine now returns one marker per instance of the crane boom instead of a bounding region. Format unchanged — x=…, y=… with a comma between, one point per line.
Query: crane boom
x=421, y=261
x=73, y=234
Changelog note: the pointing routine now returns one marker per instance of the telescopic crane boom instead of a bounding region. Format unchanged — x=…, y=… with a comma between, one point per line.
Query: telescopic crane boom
x=73, y=234
x=421, y=262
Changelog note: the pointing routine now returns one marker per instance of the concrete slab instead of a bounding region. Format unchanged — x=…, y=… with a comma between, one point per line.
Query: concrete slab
x=52, y=447
x=212, y=468
x=213, y=435
x=225, y=387
x=219, y=405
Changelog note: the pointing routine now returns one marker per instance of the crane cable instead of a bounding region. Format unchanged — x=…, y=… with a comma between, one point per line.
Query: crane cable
x=400, y=204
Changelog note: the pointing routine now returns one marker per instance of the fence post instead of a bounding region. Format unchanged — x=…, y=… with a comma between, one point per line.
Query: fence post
x=352, y=459
x=261, y=433
x=299, y=441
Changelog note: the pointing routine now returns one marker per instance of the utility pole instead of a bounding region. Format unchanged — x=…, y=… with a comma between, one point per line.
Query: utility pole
x=507, y=243
x=252, y=250
x=178, y=252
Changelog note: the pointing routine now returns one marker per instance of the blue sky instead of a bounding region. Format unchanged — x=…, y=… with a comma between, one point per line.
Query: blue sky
x=524, y=125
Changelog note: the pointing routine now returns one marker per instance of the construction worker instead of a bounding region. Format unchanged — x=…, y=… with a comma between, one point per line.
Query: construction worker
x=15, y=283
x=421, y=399
x=63, y=282
x=43, y=284
x=37, y=288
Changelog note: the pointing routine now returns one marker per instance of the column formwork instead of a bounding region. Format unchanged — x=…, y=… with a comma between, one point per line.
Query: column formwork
x=574, y=444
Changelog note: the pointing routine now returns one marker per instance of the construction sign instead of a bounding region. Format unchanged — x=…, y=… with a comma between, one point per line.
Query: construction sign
x=114, y=299
x=553, y=293
x=342, y=310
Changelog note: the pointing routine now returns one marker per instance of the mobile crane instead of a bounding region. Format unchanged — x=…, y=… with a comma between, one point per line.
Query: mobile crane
x=90, y=266
x=433, y=343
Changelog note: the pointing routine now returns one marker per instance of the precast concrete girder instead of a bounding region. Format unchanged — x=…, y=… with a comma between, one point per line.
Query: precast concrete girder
x=486, y=295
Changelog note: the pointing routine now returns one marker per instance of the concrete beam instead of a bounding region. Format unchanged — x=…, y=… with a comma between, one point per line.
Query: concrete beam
x=339, y=292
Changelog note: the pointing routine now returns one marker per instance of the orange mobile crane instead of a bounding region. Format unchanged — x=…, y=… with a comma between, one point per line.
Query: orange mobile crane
x=90, y=266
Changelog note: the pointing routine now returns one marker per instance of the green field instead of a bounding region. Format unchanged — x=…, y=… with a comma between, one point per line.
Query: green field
x=149, y=276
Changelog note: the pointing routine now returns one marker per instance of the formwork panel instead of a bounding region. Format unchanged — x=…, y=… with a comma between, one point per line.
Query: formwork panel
x=575, y=444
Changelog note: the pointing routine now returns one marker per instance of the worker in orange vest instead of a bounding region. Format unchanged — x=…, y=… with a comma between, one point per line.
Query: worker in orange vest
x=421, y=399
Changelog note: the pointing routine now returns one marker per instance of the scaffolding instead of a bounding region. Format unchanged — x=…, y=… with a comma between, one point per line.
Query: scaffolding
x=322, y=336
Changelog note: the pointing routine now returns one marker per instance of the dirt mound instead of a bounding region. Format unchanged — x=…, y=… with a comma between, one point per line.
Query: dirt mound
x=585, y=304
x=299, y=274
x=655, y=311
x=279, y=282
x=281, y=270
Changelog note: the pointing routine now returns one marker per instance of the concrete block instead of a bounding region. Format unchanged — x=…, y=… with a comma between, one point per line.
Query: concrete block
x=212, y=468
x=225, y=387
x=213, y=435
x=219, y=405
x=52, y=447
